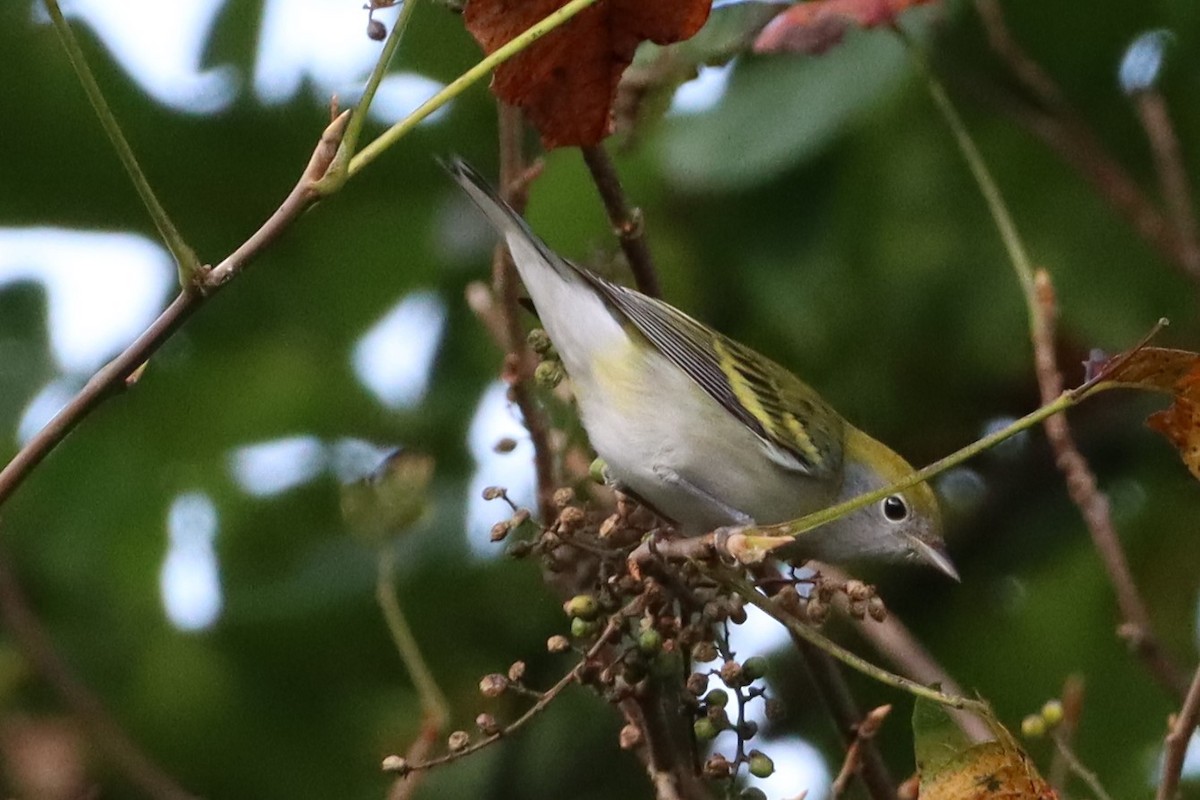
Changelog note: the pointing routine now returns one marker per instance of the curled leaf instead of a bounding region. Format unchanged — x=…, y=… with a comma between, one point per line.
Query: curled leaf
x=1156, y=368
x=1180, y=422
x=566, y=81
x=391, y=499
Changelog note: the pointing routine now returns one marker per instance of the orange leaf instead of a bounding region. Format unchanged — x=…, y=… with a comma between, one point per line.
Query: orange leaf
x=816, y=26
x=1180, y=422
x=567, y=80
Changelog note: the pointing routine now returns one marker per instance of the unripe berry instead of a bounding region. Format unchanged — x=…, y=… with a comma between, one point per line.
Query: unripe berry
x=761, y=766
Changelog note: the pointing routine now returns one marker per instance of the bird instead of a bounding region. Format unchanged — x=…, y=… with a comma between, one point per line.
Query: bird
x=704, y=430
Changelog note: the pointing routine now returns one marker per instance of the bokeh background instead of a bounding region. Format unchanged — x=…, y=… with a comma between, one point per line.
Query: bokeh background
x=185, y=548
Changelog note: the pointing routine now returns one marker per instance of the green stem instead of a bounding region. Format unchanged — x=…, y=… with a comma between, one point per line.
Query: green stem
x=339, y=169
x=807, y=523
x=739, y=584
x=464, y=81
x=432, y=700
x=1017, y=253
x=185, y=259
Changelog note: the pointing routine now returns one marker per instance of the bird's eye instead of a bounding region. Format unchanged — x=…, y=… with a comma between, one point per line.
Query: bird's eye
x=894, y=508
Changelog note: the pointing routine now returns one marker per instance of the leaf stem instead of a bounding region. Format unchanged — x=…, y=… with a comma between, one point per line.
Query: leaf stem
x=432, y=700
x=735, y=581
x=796, y=527
x=187, y=263
x=339, y=169
x=464, y=81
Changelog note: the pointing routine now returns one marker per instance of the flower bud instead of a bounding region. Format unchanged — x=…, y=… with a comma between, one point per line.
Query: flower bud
x=549, y=374
x=558, y=644
x=1033, y=727
x=397, y=765
x=487, y=724
x=516, y=671
x=493, y=685
x=458, y=741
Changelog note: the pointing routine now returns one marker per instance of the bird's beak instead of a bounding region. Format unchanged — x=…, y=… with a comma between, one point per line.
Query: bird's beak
x=934, y=555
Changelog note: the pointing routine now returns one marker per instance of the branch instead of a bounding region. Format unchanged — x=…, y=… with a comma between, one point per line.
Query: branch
x=1172, y=174
x=1061, y=129
x=1093, y=504
x=739, y=585
x=519, y=360
x=38, y=648
x=627, y=221
x=863, y=735
x=1038, y=293
x=862, y=755
x=1177, y=740
x=461, y=83
x=185, y=260
x=895, y=642
x=120, y=372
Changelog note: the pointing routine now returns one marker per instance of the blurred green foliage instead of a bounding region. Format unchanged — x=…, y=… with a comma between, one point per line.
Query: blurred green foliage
x=821, y=214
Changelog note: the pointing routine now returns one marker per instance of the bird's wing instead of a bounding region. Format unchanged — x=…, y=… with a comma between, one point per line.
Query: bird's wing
x=799, y=431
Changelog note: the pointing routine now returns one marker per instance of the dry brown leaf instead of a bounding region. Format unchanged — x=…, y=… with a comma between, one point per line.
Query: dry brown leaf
x=816, y=26
x=566, y=81
x=1148, y=368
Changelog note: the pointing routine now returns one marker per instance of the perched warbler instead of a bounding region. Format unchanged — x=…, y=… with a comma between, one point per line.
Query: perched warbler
x=703, y=429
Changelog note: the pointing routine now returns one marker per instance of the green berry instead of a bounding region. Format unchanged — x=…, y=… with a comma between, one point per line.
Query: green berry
x=582, y=628
x=584, y=606
x=1052, y=713
x=717, y=698
x=761, y=766
x=705, y=729
x=650, y=641
x=753, y=793
x=754, y=668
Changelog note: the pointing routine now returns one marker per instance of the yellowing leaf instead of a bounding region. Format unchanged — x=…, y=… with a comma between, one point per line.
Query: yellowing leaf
x=952, y=768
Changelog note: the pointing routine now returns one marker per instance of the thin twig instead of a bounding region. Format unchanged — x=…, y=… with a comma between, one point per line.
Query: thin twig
x=338, y=170
x=1058, y=126
x=520, y=366
x=435, y=709
x=433, y=702
x=467, y=79
x=1093, y=504
x=1172, y=174
x=185, y=259
x=1072, y=705
x=862, y=755
x=1077, y=766
x=856, y=753
x=543, y=701
x=737, y=583
x=38, y=648
x=1038, y=294
x=626, y=220
x=112, y=377
x=895, y=642
x=1177, y=740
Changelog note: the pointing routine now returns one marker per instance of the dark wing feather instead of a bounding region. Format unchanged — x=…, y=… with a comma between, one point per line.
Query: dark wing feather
x=797, y=428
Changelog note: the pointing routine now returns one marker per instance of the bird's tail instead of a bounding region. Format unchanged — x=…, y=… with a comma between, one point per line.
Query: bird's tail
x=517, y=234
